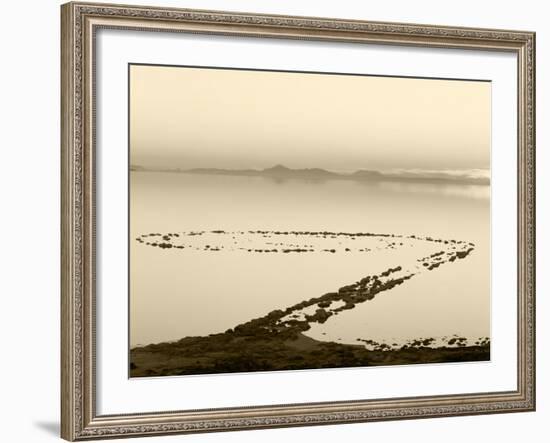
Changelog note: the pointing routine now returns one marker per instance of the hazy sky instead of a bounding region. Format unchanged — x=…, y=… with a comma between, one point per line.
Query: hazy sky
x=192, y=117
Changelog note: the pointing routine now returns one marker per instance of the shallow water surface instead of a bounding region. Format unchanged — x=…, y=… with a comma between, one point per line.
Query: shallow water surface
x=252, y=255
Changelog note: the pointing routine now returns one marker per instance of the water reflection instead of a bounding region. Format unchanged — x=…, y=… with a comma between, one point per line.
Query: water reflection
x=447, y=189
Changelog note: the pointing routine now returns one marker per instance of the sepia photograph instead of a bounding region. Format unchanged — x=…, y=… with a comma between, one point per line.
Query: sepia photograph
x=290, y=220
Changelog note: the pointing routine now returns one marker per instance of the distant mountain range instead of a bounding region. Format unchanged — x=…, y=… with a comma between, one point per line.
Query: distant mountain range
x=282, y=172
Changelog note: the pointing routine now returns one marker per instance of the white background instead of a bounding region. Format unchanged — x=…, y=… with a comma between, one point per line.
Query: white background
x=29, y=222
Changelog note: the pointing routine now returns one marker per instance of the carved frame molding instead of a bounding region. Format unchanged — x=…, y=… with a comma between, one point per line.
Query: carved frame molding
x=79, y=24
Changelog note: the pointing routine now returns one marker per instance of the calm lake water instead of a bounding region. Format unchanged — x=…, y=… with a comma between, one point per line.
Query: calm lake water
x=176, y=293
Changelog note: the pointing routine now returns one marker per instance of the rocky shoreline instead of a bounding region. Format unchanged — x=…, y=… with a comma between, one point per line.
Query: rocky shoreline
x=234, y=352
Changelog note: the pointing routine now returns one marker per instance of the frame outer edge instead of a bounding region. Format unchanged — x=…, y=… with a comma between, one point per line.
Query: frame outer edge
x=78, y=419
x=68, y=401
x=534, y=197
x=526, y=222
x=531, y=201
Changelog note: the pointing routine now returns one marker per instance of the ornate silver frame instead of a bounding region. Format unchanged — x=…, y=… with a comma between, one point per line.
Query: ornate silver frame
x=79, y=420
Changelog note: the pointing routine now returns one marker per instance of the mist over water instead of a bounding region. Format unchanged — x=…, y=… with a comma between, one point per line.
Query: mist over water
x=176, y=293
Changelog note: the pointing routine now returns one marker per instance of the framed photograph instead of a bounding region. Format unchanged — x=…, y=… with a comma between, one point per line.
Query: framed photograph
x=282, y=221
